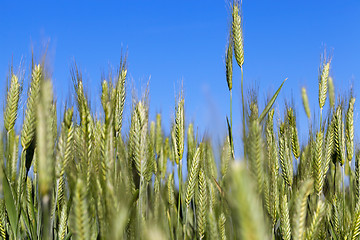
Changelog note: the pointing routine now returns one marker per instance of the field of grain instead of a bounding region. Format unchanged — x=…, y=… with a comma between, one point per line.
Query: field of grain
x=84, y=178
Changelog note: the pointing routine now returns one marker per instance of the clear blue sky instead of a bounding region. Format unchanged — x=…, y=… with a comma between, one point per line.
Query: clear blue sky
x=175, y=41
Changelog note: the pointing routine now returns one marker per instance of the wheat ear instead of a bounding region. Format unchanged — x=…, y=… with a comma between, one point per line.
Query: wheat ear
x=237, y=35
x=349, y=130
x=305, y=101
x=28, y=130
x=318, y=166
x=12, y=102
x=300, y=210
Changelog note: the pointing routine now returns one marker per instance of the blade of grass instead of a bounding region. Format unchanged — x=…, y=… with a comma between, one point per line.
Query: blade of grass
x=10, y=206
x=270, y=103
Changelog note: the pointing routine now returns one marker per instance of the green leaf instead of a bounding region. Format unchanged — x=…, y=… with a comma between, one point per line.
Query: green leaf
x=230, y=138
x=10, y=204
x=270, y=103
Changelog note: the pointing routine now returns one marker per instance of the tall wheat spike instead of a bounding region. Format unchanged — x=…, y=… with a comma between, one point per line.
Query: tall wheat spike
x=81, y=212
x=300, y=210
x=105, y=95
x=305, y=101
x=295, y=146
x=158, y=134
x=237, y=34
x=63, y=222
x=193, y=176
x=45, y=139
x=212, y=225
x=357, y=177
x=316, y=220
x=349, y=130
x=329, y=146
x=120, y=99
x=338, y=136
x=286, y=167
x=201, y=211
x=323, y=82
x=64, y=153
x=285, y=218
x=12, y=102
x=229, y=63
x=179, y=129
x=318, y=165
x=255, y=153
x=28, y=129
x=225, y=157
x=221, y=223
x=246, y=205
x=45, y=152
x=335, y=221
x=138, y=139
x=331, y=92
x=2, y=220
x=273, y=169
x=13, y=159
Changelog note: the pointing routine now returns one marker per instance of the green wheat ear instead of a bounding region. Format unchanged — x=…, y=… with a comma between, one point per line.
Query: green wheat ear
x=193, y=177
x=349, y=130
x=339, y=139
x=28, y=130
x=305, y=101
x=12, y=101
x=246, y=206
x=138, y=139
x=81, y=212
x=295, y=146
x=357, y=176
x=323, y=82
x=225, y=157
x=179, y=129
x=158, y=134
x=45, y=144
x=273, y=167
x=120, y=99
x=237, y=35
x=318, y=165
x=202, y=203
x=301, y=209
x=254, y=147
x=285, y=227
x=229, y=63
x=170, y=192
x=285, y=162
x=221, y=224
x=63, y=221
x=318, y=216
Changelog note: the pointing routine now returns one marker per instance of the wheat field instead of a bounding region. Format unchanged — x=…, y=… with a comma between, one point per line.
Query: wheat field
x=85, y=177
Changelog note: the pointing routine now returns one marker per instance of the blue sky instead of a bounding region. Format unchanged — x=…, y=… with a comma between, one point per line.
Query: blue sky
x=184, y=41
